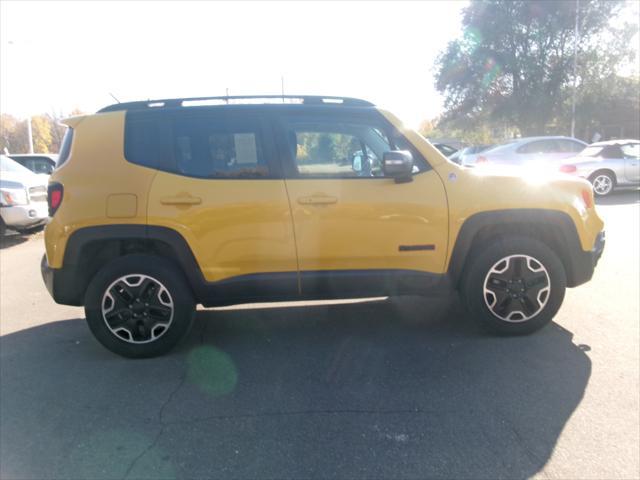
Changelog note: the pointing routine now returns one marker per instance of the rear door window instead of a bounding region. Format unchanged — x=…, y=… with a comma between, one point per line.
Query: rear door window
x=204, y=145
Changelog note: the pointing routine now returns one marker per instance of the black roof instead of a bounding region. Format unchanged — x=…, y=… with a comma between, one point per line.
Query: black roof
x=237, y=100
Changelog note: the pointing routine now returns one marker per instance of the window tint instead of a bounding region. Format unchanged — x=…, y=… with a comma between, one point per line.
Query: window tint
x=42, y=166
x=207, y=146
x=145, y=140
x=65, y=148
x=204, y=147
x=346, y=150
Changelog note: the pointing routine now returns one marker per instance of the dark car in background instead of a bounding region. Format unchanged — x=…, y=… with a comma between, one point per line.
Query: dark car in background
x=446, y=150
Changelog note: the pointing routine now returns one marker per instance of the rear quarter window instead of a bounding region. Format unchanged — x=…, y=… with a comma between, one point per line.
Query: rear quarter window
x=145, y=140
x=65, y=148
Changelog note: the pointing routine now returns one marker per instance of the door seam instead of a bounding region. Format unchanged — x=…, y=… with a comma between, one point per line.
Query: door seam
x=295, y=239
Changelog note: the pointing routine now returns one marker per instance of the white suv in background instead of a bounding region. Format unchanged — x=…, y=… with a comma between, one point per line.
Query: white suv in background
x=23, y=197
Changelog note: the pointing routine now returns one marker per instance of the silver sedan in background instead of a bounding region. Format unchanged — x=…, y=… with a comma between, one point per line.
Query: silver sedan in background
x=607, y=165
x=531, y=152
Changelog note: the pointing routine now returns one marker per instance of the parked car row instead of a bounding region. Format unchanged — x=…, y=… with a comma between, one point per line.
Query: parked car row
x=607, y=165
x=23, y=197
x=36, y=162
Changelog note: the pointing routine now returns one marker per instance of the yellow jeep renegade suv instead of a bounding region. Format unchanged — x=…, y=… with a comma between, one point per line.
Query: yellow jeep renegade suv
x=159, y=205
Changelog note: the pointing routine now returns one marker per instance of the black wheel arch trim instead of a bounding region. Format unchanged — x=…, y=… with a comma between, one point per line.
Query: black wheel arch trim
x=183, y=255
x=579, y=265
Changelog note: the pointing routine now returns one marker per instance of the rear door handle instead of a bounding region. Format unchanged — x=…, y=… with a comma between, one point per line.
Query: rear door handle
x=317, y=200
x=181, y=200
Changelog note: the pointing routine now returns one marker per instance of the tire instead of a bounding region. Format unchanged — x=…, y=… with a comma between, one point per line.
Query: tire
x=603, y=183
x=160, y=312
x=519, y=307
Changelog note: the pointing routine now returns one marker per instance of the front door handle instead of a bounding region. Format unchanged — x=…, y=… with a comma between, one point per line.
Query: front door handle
x=317, y=200
x=181, y=200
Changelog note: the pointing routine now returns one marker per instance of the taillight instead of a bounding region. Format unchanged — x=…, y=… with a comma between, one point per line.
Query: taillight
x=587, y=198
x=54, y=197
x=481, y=159
x=568, y=168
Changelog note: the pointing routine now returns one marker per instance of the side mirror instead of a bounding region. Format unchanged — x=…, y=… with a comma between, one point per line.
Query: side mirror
x=398, y=164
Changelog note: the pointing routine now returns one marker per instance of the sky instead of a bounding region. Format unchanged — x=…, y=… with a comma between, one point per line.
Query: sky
x=58, y=56
x=64, y=55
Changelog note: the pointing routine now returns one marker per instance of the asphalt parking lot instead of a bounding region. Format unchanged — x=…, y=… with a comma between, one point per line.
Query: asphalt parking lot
x=401, y=388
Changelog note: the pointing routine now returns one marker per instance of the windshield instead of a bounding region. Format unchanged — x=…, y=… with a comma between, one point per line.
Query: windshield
x=8, y=165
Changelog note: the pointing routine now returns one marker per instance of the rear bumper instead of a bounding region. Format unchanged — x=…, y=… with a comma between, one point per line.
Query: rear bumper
x=584, y=263
x=60, y=284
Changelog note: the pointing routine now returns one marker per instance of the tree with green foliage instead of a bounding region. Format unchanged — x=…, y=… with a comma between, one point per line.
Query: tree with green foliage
x=514, y=61
x=609, y=107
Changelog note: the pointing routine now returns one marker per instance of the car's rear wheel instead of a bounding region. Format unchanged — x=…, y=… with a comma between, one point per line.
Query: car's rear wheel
x=515, y=285
x=603, y=183
x=139, y=306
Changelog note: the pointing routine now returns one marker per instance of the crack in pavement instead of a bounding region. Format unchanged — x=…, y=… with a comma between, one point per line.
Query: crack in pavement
x=162, y=425
x=160, y=420
x=310, y=412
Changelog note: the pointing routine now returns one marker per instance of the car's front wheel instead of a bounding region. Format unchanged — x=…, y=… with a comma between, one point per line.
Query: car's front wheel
x=515, y=285
x=139, y=306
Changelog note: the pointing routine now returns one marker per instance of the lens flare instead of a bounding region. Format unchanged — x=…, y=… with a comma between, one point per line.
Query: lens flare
x=212, y=370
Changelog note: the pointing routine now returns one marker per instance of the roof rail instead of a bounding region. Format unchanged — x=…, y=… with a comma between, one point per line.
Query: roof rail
x=237, y=99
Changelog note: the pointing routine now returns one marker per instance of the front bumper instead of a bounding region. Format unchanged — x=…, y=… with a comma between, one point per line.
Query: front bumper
x=25, y=216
